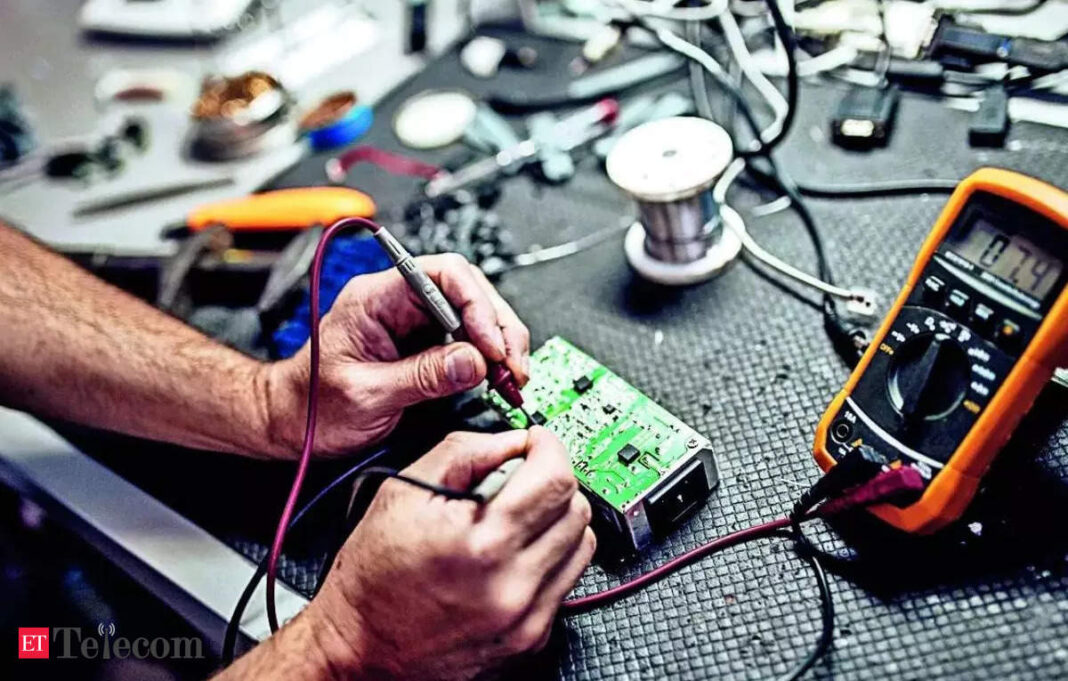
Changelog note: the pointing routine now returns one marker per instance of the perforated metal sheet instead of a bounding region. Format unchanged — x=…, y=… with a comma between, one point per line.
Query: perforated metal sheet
x=750, y=367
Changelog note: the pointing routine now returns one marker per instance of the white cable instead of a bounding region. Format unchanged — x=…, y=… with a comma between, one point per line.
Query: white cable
x=648, y=9
x=767, y=90
x=835, y=58
x=719, y=195
x=571, y=247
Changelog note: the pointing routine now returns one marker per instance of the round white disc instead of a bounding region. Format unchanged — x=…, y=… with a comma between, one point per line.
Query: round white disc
x=434, y=118
x=670, y=159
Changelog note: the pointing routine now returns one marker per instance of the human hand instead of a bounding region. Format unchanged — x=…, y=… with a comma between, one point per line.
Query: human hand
x=366, y=383
x=427, y=588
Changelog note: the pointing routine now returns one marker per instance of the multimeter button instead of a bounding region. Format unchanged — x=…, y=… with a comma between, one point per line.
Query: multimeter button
x=1009, y=334
x=959, y=304
x=983, y=318
x=934, y=291
x=928, y=377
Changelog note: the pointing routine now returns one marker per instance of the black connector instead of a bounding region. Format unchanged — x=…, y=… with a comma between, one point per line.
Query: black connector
x=977, y=46
x=990, y=125
x=865, y=117
x=858, y=466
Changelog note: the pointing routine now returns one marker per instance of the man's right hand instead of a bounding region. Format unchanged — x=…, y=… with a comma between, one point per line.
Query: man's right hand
x=427, y=588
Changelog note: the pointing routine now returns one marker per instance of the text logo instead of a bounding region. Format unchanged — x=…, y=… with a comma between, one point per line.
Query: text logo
x=33, y=643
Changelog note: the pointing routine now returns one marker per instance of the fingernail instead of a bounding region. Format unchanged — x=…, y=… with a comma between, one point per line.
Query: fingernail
x=460, y=366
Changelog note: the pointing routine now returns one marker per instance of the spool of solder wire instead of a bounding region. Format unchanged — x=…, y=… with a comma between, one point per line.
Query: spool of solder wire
x=669, y=167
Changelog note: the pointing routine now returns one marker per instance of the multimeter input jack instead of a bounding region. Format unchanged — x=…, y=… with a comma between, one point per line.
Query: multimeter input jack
x=842, y=430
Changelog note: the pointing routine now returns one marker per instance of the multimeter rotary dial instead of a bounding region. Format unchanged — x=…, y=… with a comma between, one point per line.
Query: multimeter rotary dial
x=928, y=377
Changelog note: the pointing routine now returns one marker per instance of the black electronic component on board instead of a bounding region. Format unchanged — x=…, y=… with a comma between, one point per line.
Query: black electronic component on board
x=582, y=384
x=629, y=454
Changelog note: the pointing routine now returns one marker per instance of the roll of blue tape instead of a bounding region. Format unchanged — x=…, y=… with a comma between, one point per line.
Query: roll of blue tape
x=349, y=128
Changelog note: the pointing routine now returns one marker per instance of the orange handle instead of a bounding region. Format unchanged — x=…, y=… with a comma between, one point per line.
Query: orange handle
x=283, y=209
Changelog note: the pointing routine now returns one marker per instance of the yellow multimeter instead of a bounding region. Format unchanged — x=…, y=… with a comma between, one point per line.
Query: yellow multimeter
x=977, y=331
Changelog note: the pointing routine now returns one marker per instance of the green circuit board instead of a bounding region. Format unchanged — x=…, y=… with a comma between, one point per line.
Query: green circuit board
x=622, y=443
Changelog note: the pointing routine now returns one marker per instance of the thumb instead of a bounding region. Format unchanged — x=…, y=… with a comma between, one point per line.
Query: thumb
x=437, y=372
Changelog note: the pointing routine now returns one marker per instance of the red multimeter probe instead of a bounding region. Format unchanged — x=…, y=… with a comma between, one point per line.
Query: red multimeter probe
x=977, y=331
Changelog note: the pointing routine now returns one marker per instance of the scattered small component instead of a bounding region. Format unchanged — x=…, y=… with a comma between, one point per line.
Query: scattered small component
x=865, y=117
x=582, y=384
x=537, y=418
x=463, y=223
x=336, y=121
x=16, y=138
x=523, y=57
x=489, y=132
x=568, y=133
x=554, y=164
x=108, y=155
x=433, y=118
x=629, y=454
x=990, y=124
x=601, y=44
x=482, y=56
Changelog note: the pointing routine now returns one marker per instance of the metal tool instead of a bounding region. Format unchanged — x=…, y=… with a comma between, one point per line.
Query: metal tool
x=133, y=197
x=498, y=376
x=571, y=132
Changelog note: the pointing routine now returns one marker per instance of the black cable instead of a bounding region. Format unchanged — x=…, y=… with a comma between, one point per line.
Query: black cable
x=849, y=343
x=793, y=82
x=357, y=472
x=867, y=190
x=823, y=643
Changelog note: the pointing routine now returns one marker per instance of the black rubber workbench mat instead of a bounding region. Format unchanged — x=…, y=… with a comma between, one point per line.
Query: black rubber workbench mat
x=748, y=365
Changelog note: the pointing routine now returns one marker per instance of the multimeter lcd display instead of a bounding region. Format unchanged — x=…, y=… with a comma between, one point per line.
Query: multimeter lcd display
x=1007, y=256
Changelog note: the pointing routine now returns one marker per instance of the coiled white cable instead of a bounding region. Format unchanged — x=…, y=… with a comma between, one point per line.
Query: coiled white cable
x=767, y=90
x=862, y=302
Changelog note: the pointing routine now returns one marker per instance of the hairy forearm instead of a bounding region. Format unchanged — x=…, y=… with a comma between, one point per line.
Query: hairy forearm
x=307, y=648
x=75, y=348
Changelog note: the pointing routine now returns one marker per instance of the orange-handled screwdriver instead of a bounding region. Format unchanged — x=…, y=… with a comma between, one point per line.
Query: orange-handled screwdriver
x=283, y=210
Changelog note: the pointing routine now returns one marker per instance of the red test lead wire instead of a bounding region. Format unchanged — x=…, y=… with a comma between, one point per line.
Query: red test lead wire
x=313, y=410
x=887, y=485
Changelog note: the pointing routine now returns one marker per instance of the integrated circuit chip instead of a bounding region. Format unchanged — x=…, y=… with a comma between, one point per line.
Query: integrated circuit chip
x=629, y=454
x=607, y=425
